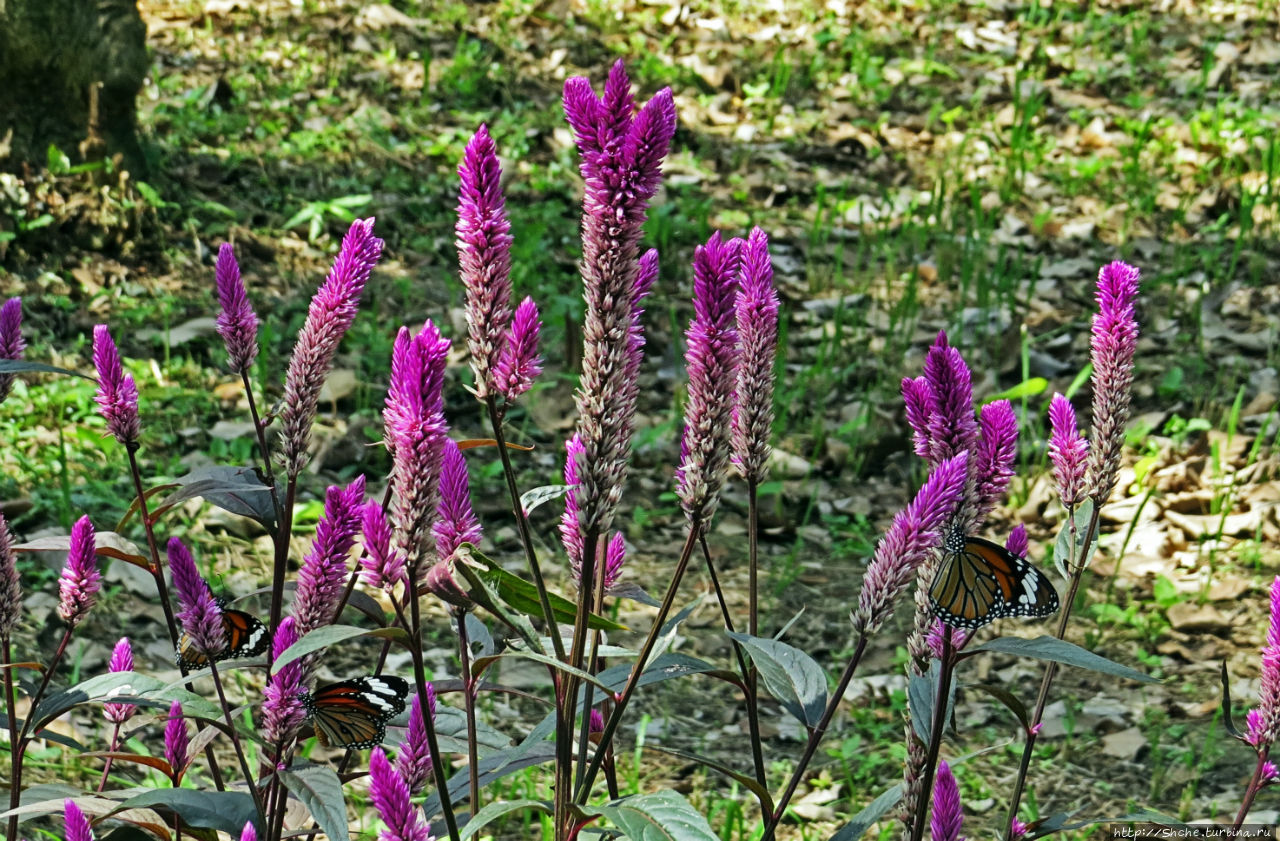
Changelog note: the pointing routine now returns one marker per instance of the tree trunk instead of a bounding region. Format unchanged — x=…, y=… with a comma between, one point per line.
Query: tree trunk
x=70, y=71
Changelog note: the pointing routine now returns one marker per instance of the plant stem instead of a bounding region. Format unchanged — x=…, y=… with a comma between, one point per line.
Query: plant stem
x=106, y=767
x=263, y=450
x=567, y=691
x=1255, y=783
x=157, y=569
x=15, y=757
x=249, y=781
x=815, y=737
x=281, y=559
x=420, y=682
x=18, y=744
x=611, y=725
x=939, y=723
x=469, y=707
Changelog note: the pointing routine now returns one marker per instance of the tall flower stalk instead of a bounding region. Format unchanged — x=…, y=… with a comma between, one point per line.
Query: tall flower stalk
x=1263, y=721
x=11, y=341
x=1113, y=344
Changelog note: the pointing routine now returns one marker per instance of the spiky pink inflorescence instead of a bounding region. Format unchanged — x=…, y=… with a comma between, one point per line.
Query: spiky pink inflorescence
x=333, y=309
x=622, y=152
x=484, y=257
x=915, y=533
x=993, y=456
x=1017, y=830
x=1263, y=721
x=519, y=363
x=381, y=566
x=455, y=523
x=282, y=708
x=596, y=724
x=237, y=323
x=323, y=574
x=10, y=583
x=615, y=556
x=712, y=361
x=947, y=814
x=198, y=611
x=11, y=342
x=77, y=825
x=121, y=661
x=416, y=433
x=80, y=579
x=935, y=639
x=570, y=526
x=757, y=314
x=117, y=395
x=413, y=759
x=176, y=741
x=1269, y=775
x=1017, y=542
x=940, y=404
x=248, y=833
x=391, y=798
x=1115, y=340
x=1068, y=451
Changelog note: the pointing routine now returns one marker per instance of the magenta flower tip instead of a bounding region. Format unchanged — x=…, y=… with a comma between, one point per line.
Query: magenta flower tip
x=413, y=759
x=1114, y=343
x=117, y=394
x=121, y=661
x=248, y=833
x=519, y=363
x=391, y=798
x=1019, y=829
x=381, y=565
x=456, y=522
x=323, y=573
x=176, y=741
x=77, y=825
x=1017, y=542
x=237, y=323
x=1068, y=451
x=282, y=708
x=198, y=610
x=757, y=321
x=80, y=580
x=11, y=342
x=947, y=813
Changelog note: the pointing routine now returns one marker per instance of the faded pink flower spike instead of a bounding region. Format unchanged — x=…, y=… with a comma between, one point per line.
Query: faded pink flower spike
x=570, y=529
x=1068, y=451
x=237, y=323
x=323, y=574
x=518, y=363
x=11, y=342
x=712, y=361
x=1263, y=721
x=176, y=741
x=117, y=395
x=757, y=315
x=1115, y=341
x=484, y=257
x=621, y=155
x=10, y=583
x=80, y=579
x=947, y=814
x=121, y=661
x=455, y=523
x=391, y=798
x=333, y=309
x=413, y=759
x=282, y=708
x=77, y=825
x=198, y=611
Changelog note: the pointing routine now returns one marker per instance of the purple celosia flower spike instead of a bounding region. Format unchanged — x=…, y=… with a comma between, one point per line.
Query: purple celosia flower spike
x=10, y=583
x=519, y=363
x=1017, y=830
x=621, y=155
x=615, y=556
x=456, y=523
x=237, y=323
x=416, y=432
x=248, y=833
x=282, y=708
x=323, y=574
x=596, y=724
x=77, y=825
x=570, y=528
x=947, y=814
x=1068, y=451
x=11, y=343
x=413, y=759
x=484, y=256
x=80, y=579
x=176, y=742
x=993, y=457
x=198, y=610
x=1017, y=542
x=914, y=534
x=381, y=565
x=117, y=395
x=712, y=360
x=1115, y=340
x=333, y=309
x=121, y=661
x=757, y=313
x=1264, y=720
x=940, y=404
x=391, y=798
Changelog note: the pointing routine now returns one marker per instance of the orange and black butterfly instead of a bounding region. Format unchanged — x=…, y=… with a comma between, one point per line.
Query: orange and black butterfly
x=980, y=582
x=246, y=637
x=354, y=713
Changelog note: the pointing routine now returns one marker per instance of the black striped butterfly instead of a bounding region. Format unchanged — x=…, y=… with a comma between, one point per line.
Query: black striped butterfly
x=981, y=581
x=354, y=713
x=246, y=637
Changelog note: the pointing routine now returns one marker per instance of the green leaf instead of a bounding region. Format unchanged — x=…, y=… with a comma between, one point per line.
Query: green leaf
x=745, y=780
x=1027, y=388
x=872, y=812
x=496, y=810
x=327, y=635
x=106, y=687
x=226, y=811
x=19, y=366
x=482, y=663
x=662, y=816
x=1226, y=704
x=531, y=752
x=1061, y=651
x=523, y=596
x=1004, y=696
x=793, y=677
x=320, y=790
x=1063, y=551
x=534, y=497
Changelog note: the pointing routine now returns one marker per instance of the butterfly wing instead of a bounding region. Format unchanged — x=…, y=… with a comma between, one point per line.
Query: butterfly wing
x=984, y=581
x=246, y=636
x=354, y=713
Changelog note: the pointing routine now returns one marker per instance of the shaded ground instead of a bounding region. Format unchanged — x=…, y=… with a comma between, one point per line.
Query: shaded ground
x=940, y=167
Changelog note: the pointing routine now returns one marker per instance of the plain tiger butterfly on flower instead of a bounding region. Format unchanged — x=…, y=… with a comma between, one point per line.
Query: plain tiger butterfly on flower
x=245, y=633
x=980, y=582
x=354, y=713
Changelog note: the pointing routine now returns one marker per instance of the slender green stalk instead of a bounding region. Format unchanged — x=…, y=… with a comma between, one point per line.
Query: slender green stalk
x=936, y=727
x=157, y=569
x=815, y=738
x=249, y=781
x=106, y=767
x=15, y=757
x=281, y=559
x=567, y=694
x=420, y=682
x=469, y=708
x=18, y=744
x=264, y=451
x=1255, y=783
